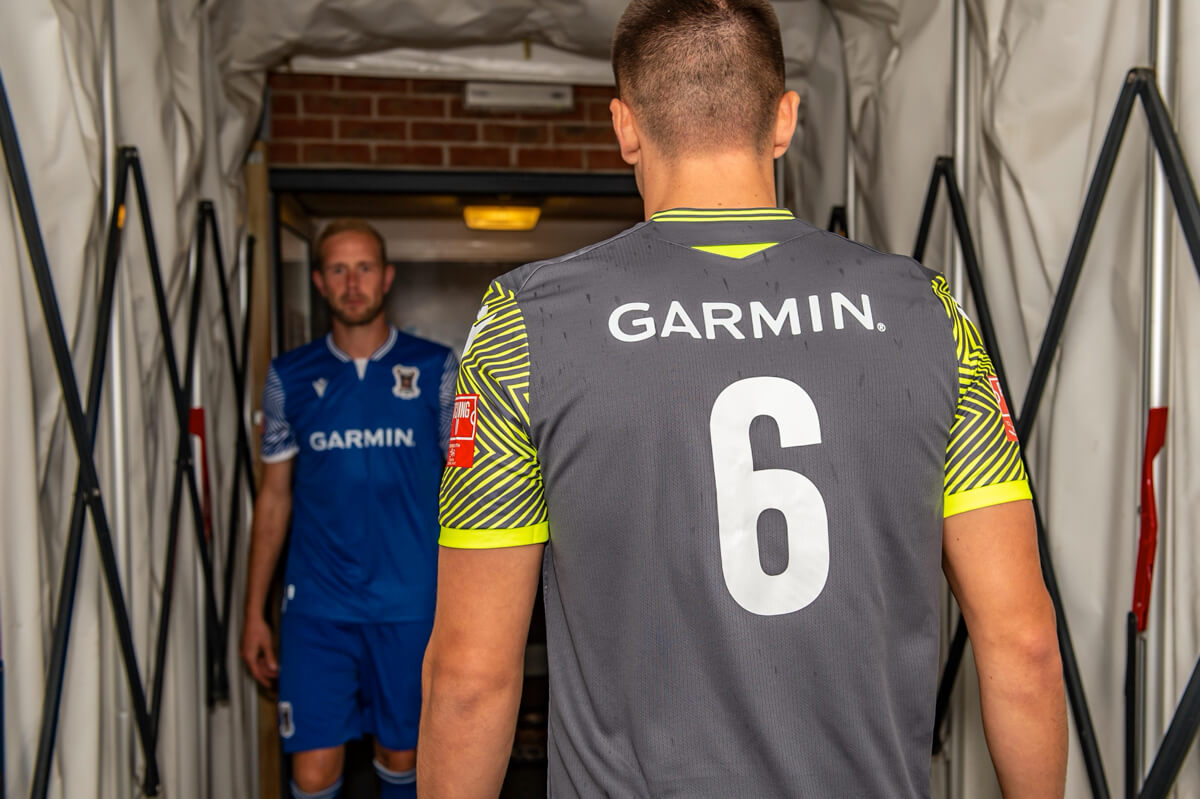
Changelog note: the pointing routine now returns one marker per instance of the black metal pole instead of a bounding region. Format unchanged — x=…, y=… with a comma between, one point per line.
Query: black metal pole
x=3, y=778
x=958, y=642
x=242, y=458
x=944, y=170
x=1132, y=683
x=1176, y=743
x=184, y=462
x=966, y=242
x=243, y=464
x=837, y=221
x=1085, y=729
x=1175, y=166
x=941, y=707
x=230, y=552
x=1083, y=235
x=239, y=378
x=926, y=225
x=65, y=609
x=1179, y=177
x=1182, y=730
x=1101, y=177
x=202, y=543
x=90, y=481
x=1073, y=680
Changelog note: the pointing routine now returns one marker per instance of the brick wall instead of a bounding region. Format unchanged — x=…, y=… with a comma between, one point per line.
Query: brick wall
x=398, y=123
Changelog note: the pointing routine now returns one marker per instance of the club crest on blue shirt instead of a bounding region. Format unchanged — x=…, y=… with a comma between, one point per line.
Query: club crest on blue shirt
x=406, y=381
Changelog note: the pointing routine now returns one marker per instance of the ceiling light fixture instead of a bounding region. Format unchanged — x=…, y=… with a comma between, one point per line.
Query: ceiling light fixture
x=501, y=217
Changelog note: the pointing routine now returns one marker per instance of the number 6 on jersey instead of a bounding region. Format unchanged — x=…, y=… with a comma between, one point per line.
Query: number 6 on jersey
x=743, y=493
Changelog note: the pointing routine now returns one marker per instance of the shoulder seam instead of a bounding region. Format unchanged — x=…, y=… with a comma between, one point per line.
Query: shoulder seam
x=536, y=266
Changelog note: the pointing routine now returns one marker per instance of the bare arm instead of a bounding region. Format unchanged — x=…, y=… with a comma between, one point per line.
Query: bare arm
x=990, y=557
x=474, y=667
x=272, y=510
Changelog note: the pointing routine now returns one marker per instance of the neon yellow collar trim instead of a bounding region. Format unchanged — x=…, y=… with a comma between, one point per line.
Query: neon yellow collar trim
x=722, y=215
x=738, y=251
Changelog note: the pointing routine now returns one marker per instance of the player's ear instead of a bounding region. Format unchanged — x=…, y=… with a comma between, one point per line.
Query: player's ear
x=626, y=130
x=389, y=274
x=785, y=123
x=319, y=281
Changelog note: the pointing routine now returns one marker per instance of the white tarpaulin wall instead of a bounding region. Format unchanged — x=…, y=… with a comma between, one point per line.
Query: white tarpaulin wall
x=1043, y=78
x=84, y=77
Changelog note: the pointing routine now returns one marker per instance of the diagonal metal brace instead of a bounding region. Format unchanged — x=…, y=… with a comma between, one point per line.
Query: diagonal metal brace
x=243, y=464
x=944, y=172
x=81, y=429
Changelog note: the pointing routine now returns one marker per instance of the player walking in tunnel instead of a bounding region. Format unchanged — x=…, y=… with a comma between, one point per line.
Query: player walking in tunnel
x=741, y=451
x=355, y=430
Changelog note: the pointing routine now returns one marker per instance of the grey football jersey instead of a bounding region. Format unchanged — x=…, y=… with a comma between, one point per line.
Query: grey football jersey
x=739, y=435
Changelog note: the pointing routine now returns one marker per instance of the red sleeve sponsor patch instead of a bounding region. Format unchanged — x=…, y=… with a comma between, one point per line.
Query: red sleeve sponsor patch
x=1010, y=430
x=463, y=425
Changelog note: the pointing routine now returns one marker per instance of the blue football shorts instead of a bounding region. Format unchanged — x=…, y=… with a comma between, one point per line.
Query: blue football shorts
x=340, y=680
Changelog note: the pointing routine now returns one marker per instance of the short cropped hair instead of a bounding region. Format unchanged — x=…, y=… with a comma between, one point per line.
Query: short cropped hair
x=345, y=225
x=701, y=75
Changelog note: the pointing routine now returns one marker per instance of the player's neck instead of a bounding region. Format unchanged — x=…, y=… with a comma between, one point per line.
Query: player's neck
x=361, y=341
x=724, y=180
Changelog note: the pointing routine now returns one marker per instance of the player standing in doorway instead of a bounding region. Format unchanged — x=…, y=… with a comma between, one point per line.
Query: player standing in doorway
x=355, y=429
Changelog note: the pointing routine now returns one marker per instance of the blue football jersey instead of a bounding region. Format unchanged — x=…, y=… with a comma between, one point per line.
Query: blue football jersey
x=369, y=439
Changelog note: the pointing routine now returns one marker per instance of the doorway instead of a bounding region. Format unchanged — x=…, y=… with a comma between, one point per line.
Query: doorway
x=442, y=268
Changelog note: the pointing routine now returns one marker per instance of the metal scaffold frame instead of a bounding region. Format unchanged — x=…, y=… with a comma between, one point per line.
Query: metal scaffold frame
x=1140, y=83
x=88, y=497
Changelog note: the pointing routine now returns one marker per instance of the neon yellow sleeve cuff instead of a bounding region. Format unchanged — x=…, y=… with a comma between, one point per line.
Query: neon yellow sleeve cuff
x=985, y=497
x=495, y=539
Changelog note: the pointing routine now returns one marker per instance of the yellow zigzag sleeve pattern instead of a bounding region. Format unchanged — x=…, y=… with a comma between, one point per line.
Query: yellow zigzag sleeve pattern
x=983, y=463
x=498, y=500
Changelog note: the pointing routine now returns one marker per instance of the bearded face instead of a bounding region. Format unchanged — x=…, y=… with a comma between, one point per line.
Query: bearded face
x=352, y=278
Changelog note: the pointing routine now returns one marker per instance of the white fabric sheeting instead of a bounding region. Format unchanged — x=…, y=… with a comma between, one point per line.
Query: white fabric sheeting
x=1180, y=564
x=188, y=93
x=56, y=61
x=56, y=109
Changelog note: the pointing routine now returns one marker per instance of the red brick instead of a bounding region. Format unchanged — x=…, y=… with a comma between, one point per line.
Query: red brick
x=576, y=114
x=292, y=80
x=398, y=154
x=459, y=110
x=411, y=106
x=605, y=159
x=437, y=86
x=516, y=134
x=598, y=111
x=339, y=105
x=603, y=92
x=543, y=158
x=583, y=134
x=372, y=129
x=323, y=153
x=284, y=104
x=354, y=83
x=480, y=156
x=445, y=131
x=288, y=128
x=283, y=153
